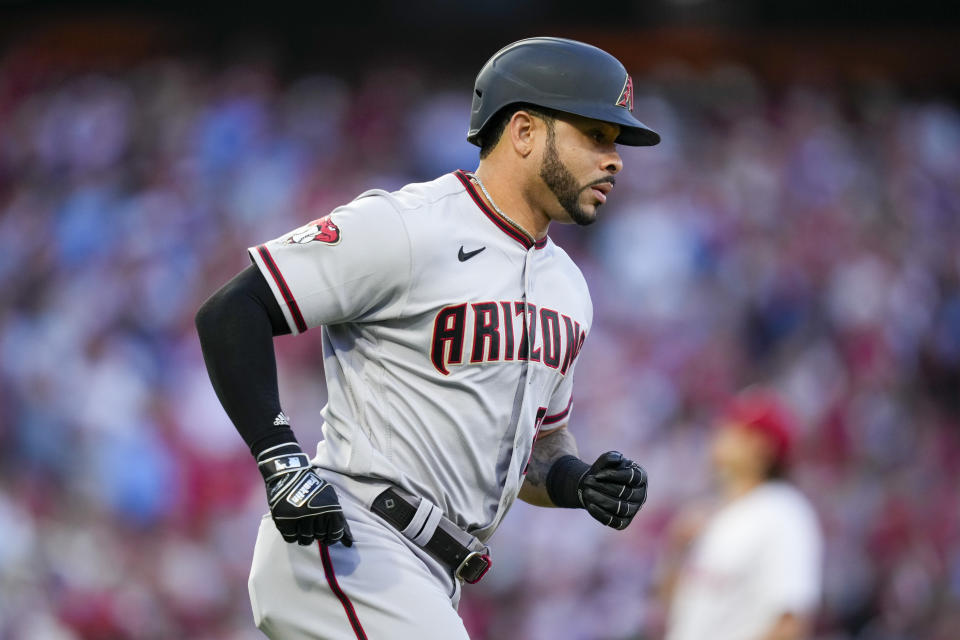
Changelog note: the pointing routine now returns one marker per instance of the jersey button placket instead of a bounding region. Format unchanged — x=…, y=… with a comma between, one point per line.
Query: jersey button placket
x=527, y=295
x=514, y=472
x=529, y=278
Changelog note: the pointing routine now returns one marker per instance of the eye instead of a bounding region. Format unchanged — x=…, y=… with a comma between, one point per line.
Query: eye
x=601, y=136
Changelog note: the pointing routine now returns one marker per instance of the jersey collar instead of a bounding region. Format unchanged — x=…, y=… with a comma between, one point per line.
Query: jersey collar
x=509, y=227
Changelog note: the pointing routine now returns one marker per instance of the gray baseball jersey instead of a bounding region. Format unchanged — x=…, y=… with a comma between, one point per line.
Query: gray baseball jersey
x=450, y=339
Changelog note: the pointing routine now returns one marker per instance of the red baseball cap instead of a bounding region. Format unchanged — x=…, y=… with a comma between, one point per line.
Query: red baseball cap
x=762, y=410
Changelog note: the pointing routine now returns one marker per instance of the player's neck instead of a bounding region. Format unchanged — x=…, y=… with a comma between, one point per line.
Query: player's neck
x=737, y=487
x=507, y=193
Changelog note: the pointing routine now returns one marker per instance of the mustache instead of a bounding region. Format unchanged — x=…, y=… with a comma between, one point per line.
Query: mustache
x=610, y=179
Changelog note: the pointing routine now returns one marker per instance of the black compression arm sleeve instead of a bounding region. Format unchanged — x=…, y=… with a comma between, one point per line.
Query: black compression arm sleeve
x=236, y=326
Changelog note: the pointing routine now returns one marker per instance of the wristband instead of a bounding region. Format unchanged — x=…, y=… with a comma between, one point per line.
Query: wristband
x=563, y=481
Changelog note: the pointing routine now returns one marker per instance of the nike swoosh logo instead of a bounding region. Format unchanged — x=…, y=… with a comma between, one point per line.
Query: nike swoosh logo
x=466, y=255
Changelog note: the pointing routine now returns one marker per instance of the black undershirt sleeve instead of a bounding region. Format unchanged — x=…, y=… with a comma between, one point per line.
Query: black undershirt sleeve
x=236, y=326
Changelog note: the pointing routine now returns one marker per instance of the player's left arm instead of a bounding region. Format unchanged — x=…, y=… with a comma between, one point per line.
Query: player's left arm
x=790, y=570
x=612, y=489
x=546, y=450
x=789, y=626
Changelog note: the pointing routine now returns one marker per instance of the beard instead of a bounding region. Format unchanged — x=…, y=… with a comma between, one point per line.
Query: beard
x=563, y=185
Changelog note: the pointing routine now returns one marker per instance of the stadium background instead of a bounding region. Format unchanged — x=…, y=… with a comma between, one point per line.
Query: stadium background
x=799, y=225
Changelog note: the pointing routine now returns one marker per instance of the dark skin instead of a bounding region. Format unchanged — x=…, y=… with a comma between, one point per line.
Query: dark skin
x=558, y=170
x=546, y=451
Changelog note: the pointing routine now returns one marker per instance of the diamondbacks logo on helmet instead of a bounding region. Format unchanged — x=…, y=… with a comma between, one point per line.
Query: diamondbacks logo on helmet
x=320, y=230
x=626, y=95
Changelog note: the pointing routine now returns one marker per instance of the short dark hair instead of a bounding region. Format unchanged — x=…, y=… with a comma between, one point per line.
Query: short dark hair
x=492, y=132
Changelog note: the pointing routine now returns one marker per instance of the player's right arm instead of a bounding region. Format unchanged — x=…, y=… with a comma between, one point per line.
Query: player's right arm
x=351, y=265
x=236, y=326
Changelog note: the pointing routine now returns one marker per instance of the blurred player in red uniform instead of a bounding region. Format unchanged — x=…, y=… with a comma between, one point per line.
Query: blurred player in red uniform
x=753, y=570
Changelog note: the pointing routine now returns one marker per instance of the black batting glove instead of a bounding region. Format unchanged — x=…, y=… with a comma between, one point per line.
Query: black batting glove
x=612, y=489
x=303, y=505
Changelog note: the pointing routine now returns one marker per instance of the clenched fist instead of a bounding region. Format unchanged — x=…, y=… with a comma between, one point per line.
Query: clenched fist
x=612, y=489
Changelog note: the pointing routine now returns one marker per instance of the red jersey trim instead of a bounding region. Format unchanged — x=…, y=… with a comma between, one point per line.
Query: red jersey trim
x=557, y=417
x=505, y=225
x=341, y=596
x=282, y=286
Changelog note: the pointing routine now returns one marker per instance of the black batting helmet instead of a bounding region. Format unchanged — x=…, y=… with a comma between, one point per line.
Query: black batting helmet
x=560, y=74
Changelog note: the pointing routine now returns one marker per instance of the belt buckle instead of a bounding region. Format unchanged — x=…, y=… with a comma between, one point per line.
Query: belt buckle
x=473, y=567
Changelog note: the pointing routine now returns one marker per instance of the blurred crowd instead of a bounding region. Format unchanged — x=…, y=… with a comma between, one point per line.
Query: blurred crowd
x=802, y=236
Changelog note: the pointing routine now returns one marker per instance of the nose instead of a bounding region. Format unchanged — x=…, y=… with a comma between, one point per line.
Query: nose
x=612, y=163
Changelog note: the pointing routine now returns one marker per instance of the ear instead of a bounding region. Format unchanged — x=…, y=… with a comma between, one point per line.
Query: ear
x=523, y=130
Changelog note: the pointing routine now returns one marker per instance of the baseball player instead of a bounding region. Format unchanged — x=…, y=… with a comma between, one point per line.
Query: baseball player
x=753, y=570
x=451, y=326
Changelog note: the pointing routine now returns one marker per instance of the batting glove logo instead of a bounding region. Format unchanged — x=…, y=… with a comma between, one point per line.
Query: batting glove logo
x=308, y=487
x=292, y=462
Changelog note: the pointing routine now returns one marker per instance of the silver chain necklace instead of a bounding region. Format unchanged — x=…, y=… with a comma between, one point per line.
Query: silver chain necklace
x=494, y=204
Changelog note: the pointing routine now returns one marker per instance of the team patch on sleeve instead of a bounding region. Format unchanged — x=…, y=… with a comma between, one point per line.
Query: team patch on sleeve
x=320, y=230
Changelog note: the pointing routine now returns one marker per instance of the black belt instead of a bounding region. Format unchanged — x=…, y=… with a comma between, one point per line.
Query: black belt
x=434, y=533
